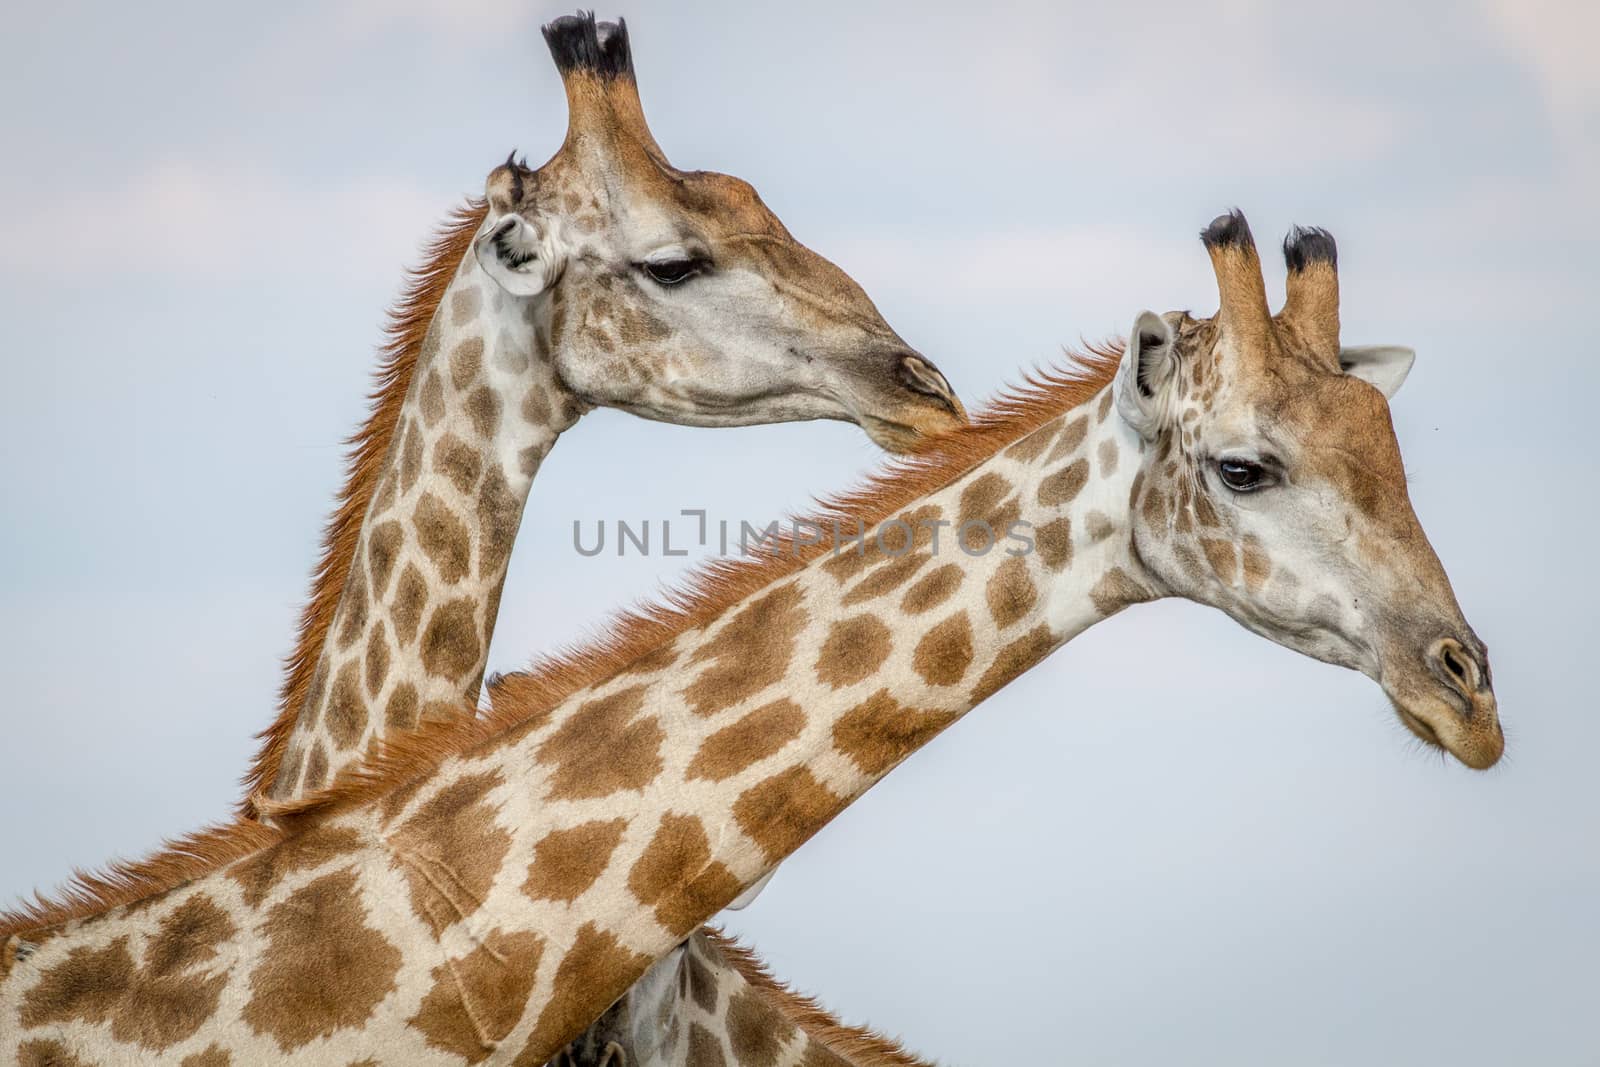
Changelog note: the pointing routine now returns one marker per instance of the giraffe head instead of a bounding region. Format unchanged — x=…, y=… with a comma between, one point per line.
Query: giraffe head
x=677, y=295
x=1272, y=488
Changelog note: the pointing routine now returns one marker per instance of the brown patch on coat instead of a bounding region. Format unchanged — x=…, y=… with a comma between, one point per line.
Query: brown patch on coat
x=596, y=970
x=466, y=361
x=355, y=610
x=1012, y=660
x=323, y=969
x=781, y=813
x=756, y=1032
x=945, y=652
x=1010, y=592
x=567, y=862
x=880, y=732
x=499, y=515
x=377, y=662
x=316, y=767
x=676, y=877
x=1257, y=566
x=410, y=456
x=400, y=713
x=382, y=550
x=477, y=999
x=886, y=579
x=210, y=1056
x=458, y=461
x=483, y=408
x=346, y=718
x=604, y=748
x=1053, y=542
x=410, y=597
x=260, y=874
x=753, y=738
x=1060, y=488
x=1115, y=591
x=750, y=652
x=50, y=1054
x=853, y=649
x=444, y=537
x=932, y=589
x=1222, y=557
x=450, y=646
x=450, y=850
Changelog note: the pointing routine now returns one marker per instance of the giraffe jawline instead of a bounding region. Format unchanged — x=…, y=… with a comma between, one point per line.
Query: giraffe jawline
x=1422, y=730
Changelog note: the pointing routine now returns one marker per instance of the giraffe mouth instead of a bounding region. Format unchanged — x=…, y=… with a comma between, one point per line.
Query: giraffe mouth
x=1427, y=734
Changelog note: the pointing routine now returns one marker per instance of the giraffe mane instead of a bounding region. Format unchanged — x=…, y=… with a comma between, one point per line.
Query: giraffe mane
x=408, y=322
x=523, y=697
x=858, y=1044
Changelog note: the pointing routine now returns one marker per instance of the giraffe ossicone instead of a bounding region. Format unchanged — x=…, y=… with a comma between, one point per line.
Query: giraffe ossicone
x=490, y=887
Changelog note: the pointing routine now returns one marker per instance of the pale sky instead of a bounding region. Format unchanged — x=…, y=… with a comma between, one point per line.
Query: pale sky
x=1174, y=842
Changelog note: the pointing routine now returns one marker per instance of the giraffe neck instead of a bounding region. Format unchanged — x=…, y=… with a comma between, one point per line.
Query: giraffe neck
x=502, y=899
x=409, y=638
x=711, y=1000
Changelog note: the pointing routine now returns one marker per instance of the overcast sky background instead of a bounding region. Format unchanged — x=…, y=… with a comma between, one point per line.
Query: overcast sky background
x=1171, y=844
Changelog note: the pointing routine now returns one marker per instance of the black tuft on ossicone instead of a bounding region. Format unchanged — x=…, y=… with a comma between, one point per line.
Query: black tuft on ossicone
x=1305, y=246
x=1228, y=231
x=579, y=43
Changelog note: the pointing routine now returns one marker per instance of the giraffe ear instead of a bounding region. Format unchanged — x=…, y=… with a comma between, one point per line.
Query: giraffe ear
x=524, y=258
x=1384, y=366
x=1146, y=377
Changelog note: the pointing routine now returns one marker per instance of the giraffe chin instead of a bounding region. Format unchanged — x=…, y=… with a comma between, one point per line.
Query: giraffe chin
x=1477, y=742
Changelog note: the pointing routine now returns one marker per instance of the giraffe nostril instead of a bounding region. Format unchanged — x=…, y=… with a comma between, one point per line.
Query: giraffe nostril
x=1456, y=666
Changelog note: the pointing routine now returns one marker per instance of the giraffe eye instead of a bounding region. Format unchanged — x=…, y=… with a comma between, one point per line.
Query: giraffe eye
x=1241, y=475
x=673, y=271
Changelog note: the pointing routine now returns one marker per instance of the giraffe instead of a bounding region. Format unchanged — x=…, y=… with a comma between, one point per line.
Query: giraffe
x=711, y=1001
x=483, y=889
x=605, y=277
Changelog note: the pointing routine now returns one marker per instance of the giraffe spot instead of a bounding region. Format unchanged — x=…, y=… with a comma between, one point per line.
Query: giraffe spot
x=656, y=660
x=1032, y=446
x=457, y=461
x=384, y=499
x=529, y=458
x=639, y=327
x=499, y=515
x=154, y=1005
x=450, y=849
x=445, y=538
x=410, y=598
x=1135, y=489
x=675, y=875
x=597, y=969
x=1100, y=527
x=450, y=646
x=410, y=457
x=478, y=999
x=1061, y=487
x=886, y=579
x=781, y=812
x=55, y=1054
x=210, y=1056
x=1071, y=439
x=757, y=1031
x=1104, y=408
x=353, y=607
x=1012, y=660
x=890, y=539
x=945, y=652
x=263, y=872
x=323, y=969
x=1256, y=564
x=753, y=738
x=1155, y=507
x=466, y=360
x=483, y=408
x=604, y=748
x=1204, y=512
x=702, y=983
x=382, y=550
x=705, y=1050
x=316, y=767
x=400, y=713
x=289, y=770
x=751, y=651
x=980, y=499
x=1116, y=591
x=880, y=732
x=1053, y=542
x=1221, y=556
x=377, y=659
x=932, y=589
x=1010, y=592
x=432, y=398
x=536, y=406
x=1190, y=562
x=1108, y=457
x=567, y=862
x=347, y=709
x=464, y=305
x=853, y=649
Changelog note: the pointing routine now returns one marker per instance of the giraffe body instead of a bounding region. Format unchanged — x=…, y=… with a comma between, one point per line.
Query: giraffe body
x=488, y=888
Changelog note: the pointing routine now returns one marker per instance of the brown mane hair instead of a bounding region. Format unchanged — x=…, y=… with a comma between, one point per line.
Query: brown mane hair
x=407, y=326
x=857, y=1044
x=524, y=696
